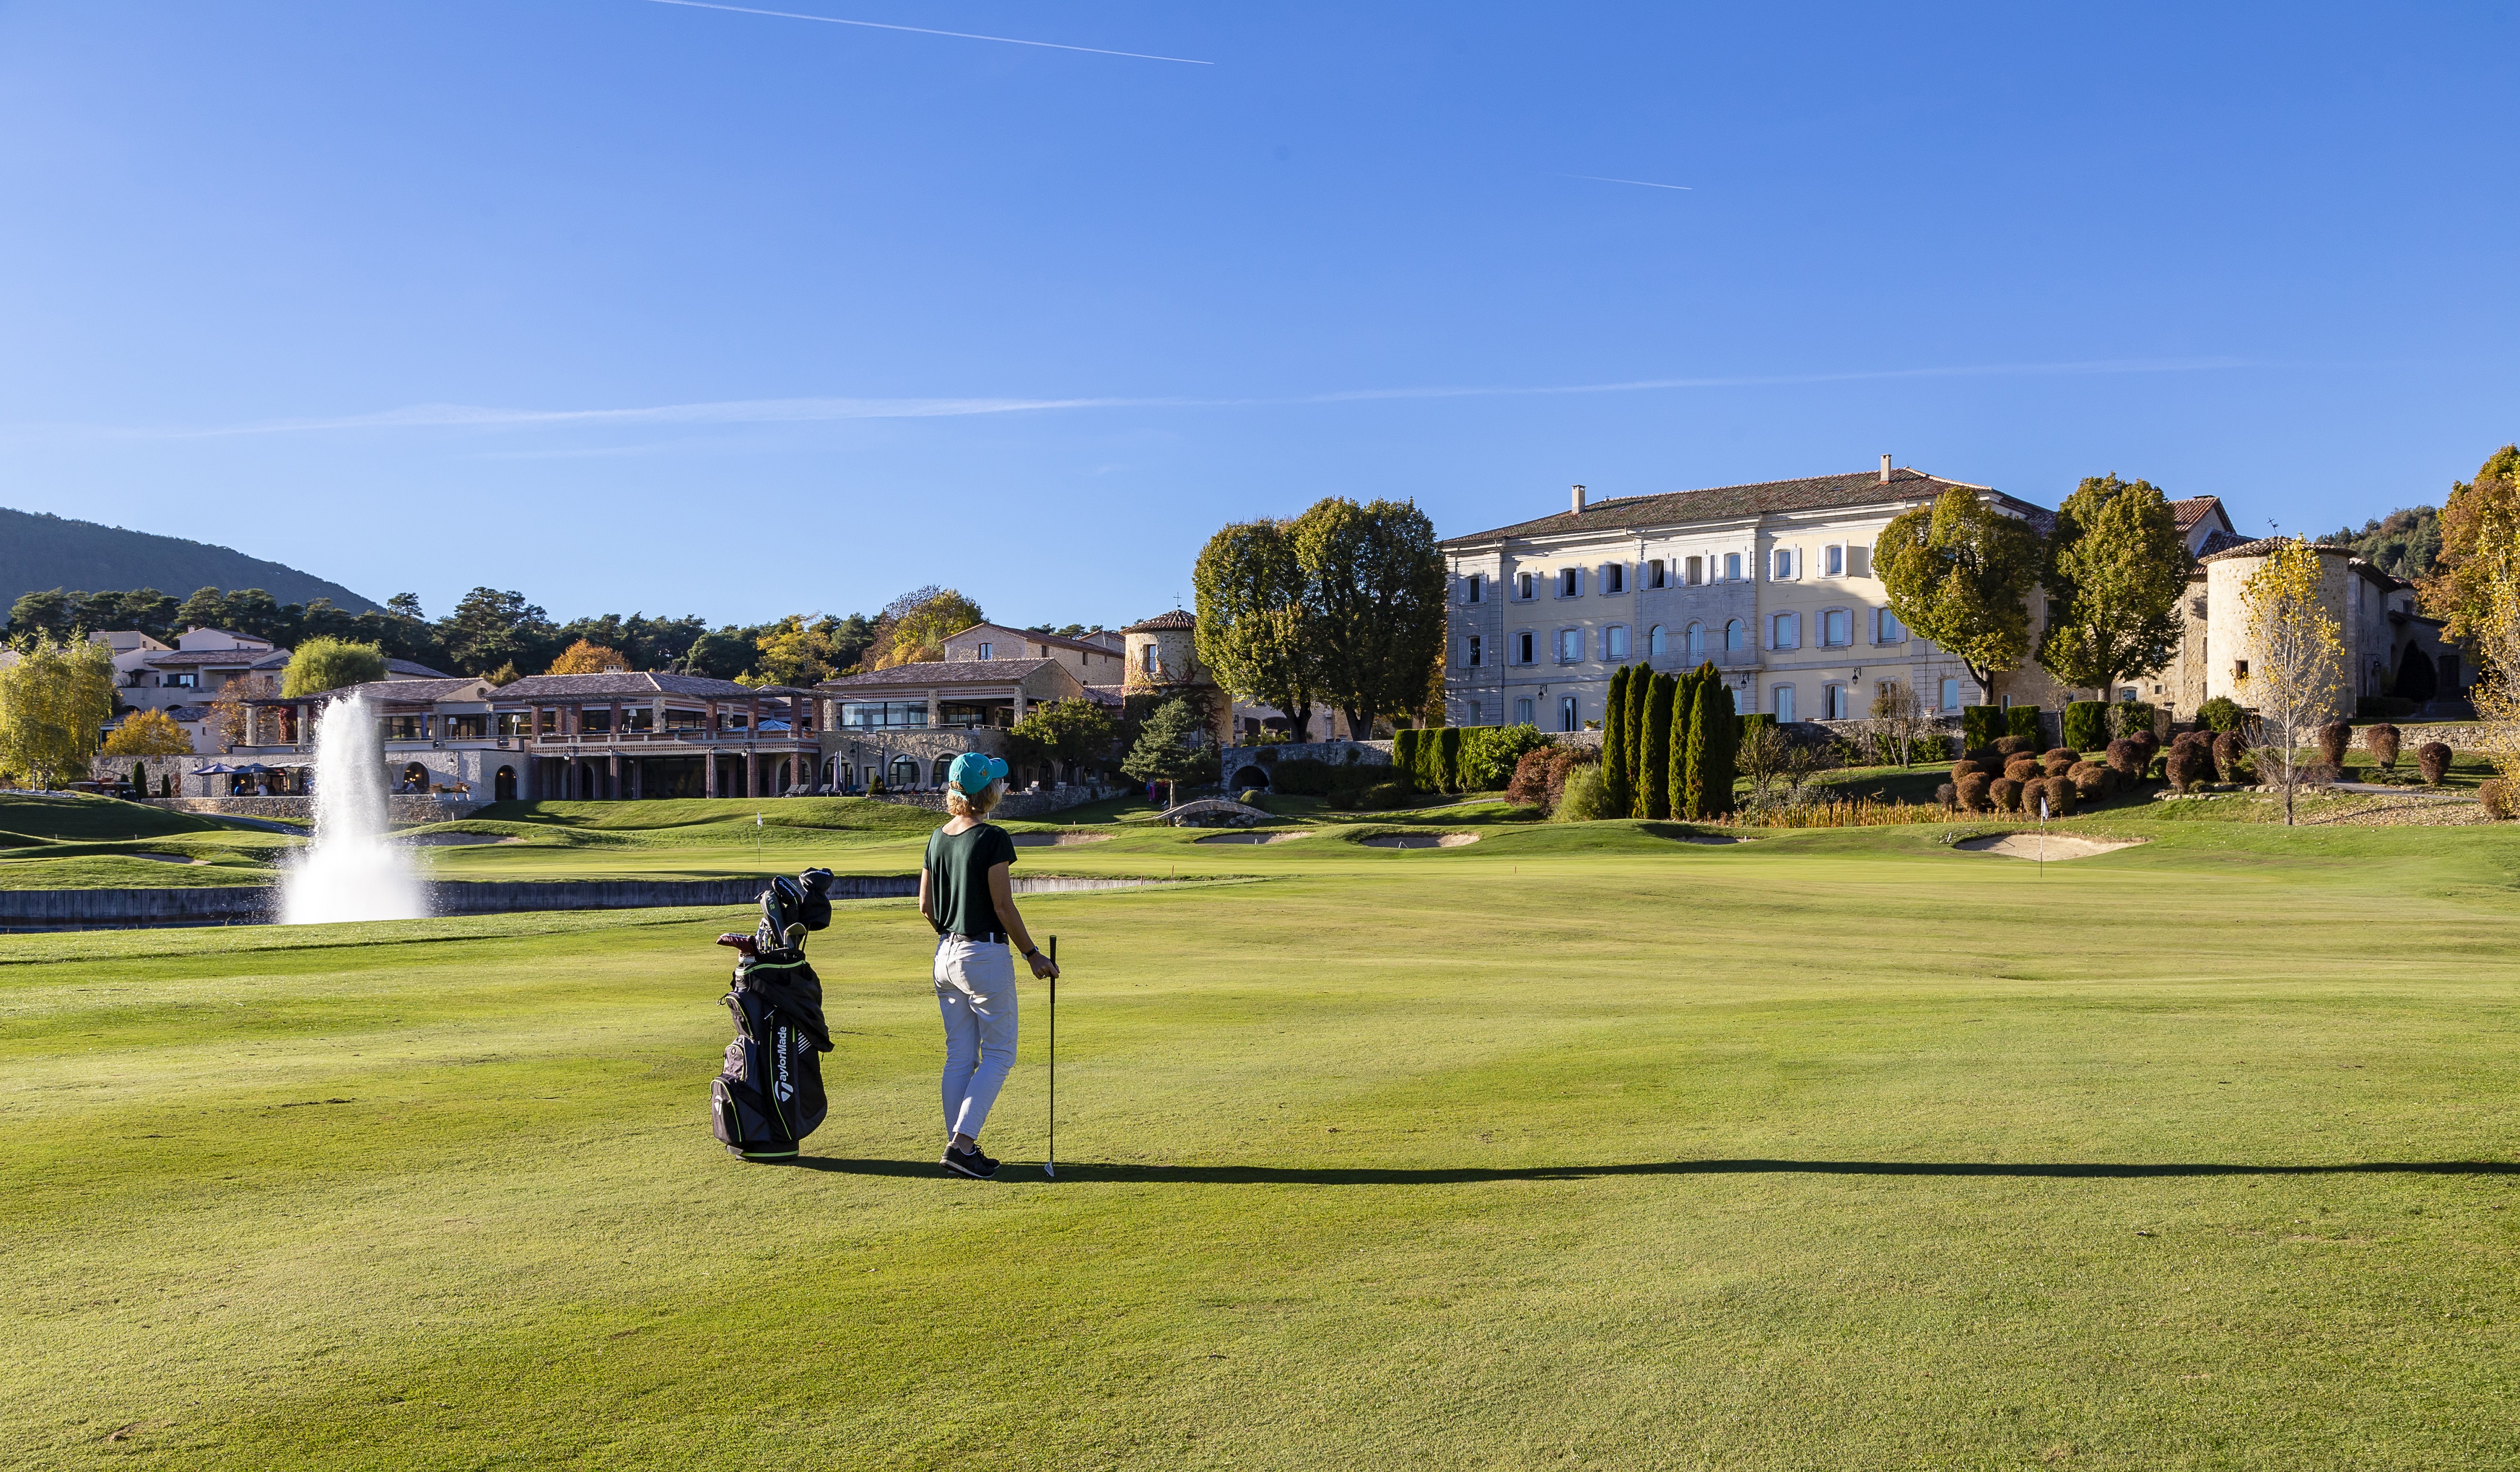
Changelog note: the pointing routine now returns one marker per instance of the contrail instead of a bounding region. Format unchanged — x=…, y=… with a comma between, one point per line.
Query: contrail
x=959, y=35
x=839, y=410
x=1596, y=178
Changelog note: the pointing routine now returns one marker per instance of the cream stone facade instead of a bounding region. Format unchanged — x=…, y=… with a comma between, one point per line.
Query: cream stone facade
x=2375, y=613
x=1771, y=583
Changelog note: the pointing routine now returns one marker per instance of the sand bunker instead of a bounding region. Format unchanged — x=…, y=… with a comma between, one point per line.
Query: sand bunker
x=1056, y=839
x=2059, y=845
x=1420, y=839
x=1254, y=837
x=449, y=840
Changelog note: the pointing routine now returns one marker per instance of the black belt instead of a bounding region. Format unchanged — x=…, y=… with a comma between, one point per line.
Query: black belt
x=994, y=937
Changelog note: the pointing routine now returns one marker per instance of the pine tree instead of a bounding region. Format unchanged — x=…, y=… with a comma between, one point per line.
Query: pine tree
x=1684, y=712
x=1655, y=760
x=1617, y=795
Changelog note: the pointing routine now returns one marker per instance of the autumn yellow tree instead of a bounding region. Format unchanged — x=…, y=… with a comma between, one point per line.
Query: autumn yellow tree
x=797, y=650
x=588, y=658
x=913, y=627
x=2489, y=577
x=148, y=733
x=55, y=697
x=2296, y=670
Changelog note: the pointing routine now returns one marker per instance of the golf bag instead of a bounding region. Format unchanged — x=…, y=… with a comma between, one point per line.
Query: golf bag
x=770, y=1095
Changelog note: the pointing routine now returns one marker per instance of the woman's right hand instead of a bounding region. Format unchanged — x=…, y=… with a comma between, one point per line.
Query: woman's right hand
x=1043, y=967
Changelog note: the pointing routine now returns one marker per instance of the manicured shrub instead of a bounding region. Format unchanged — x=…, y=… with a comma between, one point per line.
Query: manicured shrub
x=1961, y=769
x=2381, y=741
x=2188, y=763
x=1585, y=798
x=2125, y=759
x=1980, y=725
x=1947, y=795
x=2432, y=758
x=1490, y=755
x=2496, y=794
x=2023, y=721
x=1450, y=742
x=2059, y=793
x=1654, y=749
x=1973, y=791
x=1618, y=777
x=1302, y=777
x=2022, y=768
x=2220, y=713
x=1528, y=787
x=2230, y=755
x=1404, y=750
x=2005, y=793
x=2087, y=726
x=2070, y=754
x=2332, y=738
x=2057, y=763
x=2017, y=746
x=2091, y=781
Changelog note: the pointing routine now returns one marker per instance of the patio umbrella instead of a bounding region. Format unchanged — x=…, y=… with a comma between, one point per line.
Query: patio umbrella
x=214, y=769
x=250, y=769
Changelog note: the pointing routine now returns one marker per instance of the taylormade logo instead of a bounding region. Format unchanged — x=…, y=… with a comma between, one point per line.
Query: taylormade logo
x=783, y=1087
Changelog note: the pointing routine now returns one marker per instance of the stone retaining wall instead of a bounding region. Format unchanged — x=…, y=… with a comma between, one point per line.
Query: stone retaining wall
x=250, y=905
x=1023, y=805
x=1334, y=752
x=403, y=810
x=2458, y=737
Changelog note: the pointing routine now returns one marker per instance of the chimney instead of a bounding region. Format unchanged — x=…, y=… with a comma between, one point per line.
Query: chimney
x=1579, y=498
x=1885, y=469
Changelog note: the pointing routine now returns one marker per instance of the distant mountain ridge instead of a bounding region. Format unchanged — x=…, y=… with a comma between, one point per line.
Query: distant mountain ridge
x=39, y=552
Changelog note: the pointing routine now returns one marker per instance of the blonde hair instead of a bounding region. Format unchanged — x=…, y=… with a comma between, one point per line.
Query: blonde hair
x=964, y=806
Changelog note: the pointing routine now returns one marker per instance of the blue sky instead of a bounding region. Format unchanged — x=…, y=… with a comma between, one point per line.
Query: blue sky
x=629, y=305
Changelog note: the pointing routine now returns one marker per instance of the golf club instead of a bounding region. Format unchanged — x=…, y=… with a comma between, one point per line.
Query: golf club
x=1050, y=1165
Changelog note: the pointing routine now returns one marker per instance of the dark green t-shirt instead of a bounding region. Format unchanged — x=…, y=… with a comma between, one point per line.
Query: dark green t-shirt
x=958, y=877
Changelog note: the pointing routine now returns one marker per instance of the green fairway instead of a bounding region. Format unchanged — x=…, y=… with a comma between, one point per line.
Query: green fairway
x=1578, y=1146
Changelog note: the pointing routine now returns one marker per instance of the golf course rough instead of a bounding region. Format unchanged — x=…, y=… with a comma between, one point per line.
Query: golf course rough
x=1575, y=1147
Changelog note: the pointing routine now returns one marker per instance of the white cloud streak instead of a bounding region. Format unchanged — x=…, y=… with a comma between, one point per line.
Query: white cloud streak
x=1598, y=179
x=959, y=35
x=753, y=411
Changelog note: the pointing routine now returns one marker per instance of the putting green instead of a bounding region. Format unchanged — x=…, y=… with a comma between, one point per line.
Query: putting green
x=1577, y=1145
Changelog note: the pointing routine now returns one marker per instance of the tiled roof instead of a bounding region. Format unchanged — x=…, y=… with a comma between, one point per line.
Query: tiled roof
x=1722, y=503
x=1177, y=619
x=419, y=692
x=2192, y=510
x=245, y=658
x=1038, y=638
x=2266, y=544
x=622, y=682
x=2218, y=541
x=938, y=672
x=411, y=672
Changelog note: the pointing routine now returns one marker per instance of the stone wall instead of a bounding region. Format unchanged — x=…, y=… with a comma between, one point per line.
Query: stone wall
x=1022, y=805
x=2462, y=736
x=403, y=810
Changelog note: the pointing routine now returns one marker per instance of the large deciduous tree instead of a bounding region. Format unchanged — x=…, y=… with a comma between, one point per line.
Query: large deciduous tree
x=1069, y=732
x=55, y=698
x=1254, y=623
x=911, y=629
x=2480, y=518
x=328, y=663
x=2116, y=566
x=1958, y=572
x=586, y=656
x=148, y=733
x=1375, y=587
x=2296, y=676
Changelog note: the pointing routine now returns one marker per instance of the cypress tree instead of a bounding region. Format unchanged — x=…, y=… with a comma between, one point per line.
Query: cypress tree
x=1404, y=753
x=1616, y=795
x=1722, y=748
x=1431, y=760
x=1639, y=689
x=1655, y=762
x=1675, y=776
x=1447, y=757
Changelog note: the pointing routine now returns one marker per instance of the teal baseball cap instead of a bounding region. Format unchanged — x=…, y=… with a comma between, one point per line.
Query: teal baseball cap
x=973, y=772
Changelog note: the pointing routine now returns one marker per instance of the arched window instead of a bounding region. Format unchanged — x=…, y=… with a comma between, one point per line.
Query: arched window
x=1733, y=634
x=937, y=769
x=1696, y=640
x=1654, y=640
x=904, y=773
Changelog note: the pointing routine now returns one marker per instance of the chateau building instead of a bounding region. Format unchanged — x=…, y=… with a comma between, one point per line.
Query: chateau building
x=1772, y=583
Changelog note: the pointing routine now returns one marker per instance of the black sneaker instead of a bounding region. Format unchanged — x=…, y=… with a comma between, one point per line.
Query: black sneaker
x=976, y=1166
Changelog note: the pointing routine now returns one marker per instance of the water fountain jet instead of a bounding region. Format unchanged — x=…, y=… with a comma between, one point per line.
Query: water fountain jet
x=350, y=870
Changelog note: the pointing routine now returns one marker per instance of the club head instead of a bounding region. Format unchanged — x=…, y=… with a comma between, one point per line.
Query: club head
x=1050, y=1169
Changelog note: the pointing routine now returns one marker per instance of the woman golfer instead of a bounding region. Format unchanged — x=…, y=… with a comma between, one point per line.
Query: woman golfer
x=964, y=892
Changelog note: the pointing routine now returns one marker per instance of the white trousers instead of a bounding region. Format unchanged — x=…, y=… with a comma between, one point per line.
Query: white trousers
x=975, y=991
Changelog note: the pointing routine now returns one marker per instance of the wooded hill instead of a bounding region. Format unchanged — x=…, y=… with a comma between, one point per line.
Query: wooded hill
x=39, y=551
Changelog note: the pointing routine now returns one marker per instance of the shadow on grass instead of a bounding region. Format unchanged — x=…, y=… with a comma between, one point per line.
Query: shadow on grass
x=1104, y=1171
